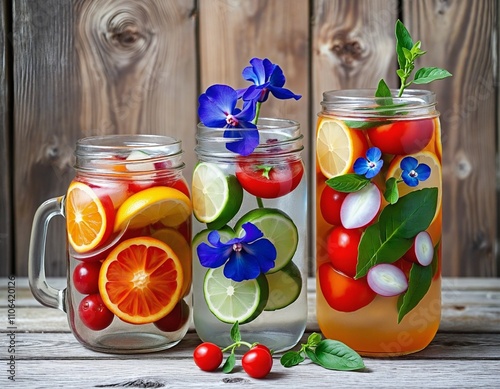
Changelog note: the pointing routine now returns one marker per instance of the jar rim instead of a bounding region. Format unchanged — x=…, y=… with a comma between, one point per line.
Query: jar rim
x=120, y=142
x=368, y=94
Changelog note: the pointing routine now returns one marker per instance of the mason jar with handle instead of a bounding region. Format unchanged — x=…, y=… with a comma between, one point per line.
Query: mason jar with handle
x=378, y=220
x=128, y=223
x=249, y=244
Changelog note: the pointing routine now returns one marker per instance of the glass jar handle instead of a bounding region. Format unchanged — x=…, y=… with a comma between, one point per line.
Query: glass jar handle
x=43, y=292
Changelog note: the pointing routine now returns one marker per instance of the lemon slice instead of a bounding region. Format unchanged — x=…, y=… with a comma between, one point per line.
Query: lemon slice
x=160, y=203
x=338, y=146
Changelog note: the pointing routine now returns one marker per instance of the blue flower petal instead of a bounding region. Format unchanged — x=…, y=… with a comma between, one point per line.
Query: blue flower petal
x=361, y=166
x=408, y=164
x=283, y=93
x=210, y=115
x=241, y=266
x=215, y=104
x=373, y=154
x=264, y=252
x=247, y=140
x=247, y=114
x=213, y=257
x=423, y=171
x=252, y=232
x=409, y=180
x=277, y=78
x=373, y=171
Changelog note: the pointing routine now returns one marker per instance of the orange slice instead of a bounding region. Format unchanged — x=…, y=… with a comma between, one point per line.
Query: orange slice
x=435, y=180
x=160, y=203
x=89, y=219
x=141, y=280
x=338, y=146
x=182, y=249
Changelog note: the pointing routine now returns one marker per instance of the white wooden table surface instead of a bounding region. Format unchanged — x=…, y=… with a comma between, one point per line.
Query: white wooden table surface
x=464, y=354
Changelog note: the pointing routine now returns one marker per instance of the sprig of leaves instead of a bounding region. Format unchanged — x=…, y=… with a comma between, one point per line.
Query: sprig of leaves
x=237, y=342
x=408, y=52
x=328, y=353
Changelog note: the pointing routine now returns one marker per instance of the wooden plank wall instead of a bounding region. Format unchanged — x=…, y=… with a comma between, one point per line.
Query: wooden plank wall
x=115, y=66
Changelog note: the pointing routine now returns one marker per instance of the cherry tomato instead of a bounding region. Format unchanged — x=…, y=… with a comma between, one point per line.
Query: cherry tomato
x=175, y=319
x=330, y=203
x=342, y=248
x=402, y=137
x=207, y=356
x=269, y=181
x=94, y=314
x=257, y=362
x=342, y=292
x=86, y=277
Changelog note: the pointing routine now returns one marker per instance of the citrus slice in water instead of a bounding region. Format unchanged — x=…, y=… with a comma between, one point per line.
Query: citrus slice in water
x=232, y=301
x=89, y=219
x=338, y=146
x=278, y=228
x=217, y=196
x=141, y=280
x=284, y=287
x=159, y=203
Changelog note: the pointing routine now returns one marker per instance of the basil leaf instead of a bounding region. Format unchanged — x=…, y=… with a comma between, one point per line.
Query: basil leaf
x=403, y=39
x=312, y=356
x=229, y=364
x=313, y=339
x=291, y=358
x=335, y=355
x=361, y=125
x=391, y=193
x=418, y=284
x=429, y=74
x=235, y=333
x=383, y=91
x=348, y=183
x=435, y=259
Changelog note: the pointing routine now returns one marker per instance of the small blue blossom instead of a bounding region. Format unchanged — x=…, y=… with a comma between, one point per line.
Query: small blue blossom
x=217, y=109
x=413, y=172
x=266, y=77
x=371, y=165
x=243, y=258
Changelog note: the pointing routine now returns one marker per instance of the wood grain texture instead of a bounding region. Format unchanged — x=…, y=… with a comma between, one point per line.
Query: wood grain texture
x=94, y=67
x=5, y=150
x=459, y=36
x=353, y=45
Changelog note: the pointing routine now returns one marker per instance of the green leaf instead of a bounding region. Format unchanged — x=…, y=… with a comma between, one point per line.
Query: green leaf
x=229, y=364
x=372, y=250
x=291, y=358
x=312, y=356
x=435, y=259
x=410, y=215
x=391, y=193
x=335, y=355
x=362, y=125
x=403, y=39
x=418, y=285
x=384, y=94
x=313, y=339
x=408, y=54
x=429, y=74
x=387, y=240
x=235, y=333
x=348, y=183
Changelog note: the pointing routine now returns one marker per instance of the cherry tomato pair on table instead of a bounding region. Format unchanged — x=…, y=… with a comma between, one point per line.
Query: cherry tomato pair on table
x=269, y=180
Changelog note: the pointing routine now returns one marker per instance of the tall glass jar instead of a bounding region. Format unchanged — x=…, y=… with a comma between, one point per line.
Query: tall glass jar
x=249, y=245
x=378, y=220
x=128, y=223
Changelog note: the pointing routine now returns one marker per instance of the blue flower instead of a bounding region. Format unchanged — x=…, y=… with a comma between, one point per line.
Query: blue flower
x=266, y=77
x=413, y=172
x=217, y=109
x=371, y=165
x=243, y=258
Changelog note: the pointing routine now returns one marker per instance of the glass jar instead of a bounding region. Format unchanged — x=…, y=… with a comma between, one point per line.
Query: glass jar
x=249, y=245
x=378, y=220
x=128, y=223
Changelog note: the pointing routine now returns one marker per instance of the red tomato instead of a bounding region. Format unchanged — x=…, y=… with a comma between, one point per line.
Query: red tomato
x=342, y=248
x=207, y=356
x=175, y=319
x=257, y=362
x=86, y=277
x=402, y=137
x=330, y=203
x=344, y=293
x=94, y=314
x=269, y=181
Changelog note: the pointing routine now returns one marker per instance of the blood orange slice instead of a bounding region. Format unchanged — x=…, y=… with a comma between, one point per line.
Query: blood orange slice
x=141, y=280
x=89, y=218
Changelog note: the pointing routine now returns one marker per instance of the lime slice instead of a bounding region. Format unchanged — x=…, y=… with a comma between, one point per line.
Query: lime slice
x=278, y=228
x=284, y=287
x=217, y=196
x=232, y=301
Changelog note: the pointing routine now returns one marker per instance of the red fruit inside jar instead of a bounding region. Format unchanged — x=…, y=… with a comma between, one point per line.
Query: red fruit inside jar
x=330, y=203
x=342, y=248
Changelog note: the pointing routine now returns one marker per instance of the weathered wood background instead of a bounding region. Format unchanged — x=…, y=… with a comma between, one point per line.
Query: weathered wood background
x=76, y=68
